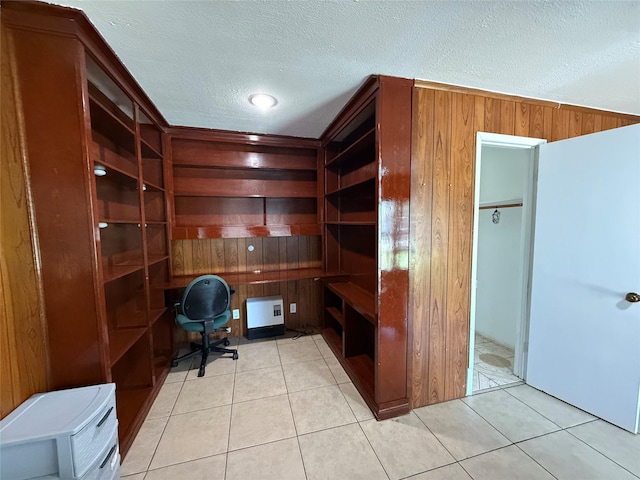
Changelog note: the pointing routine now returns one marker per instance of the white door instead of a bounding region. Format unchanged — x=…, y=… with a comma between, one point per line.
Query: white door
x=584, y=337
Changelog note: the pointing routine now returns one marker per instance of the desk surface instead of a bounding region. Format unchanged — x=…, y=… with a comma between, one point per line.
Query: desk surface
x=256, y=277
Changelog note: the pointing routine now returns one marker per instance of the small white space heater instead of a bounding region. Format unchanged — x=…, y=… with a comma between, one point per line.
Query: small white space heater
x=265, y=317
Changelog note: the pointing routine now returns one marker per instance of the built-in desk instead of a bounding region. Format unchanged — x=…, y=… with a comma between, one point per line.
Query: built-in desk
x=249, y=285
x=252, y=278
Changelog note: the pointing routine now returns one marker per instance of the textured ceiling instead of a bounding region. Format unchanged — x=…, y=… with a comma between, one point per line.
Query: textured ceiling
x=200, y=60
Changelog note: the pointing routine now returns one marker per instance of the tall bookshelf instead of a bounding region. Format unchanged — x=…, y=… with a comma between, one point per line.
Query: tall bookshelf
x=95, y=149
x=235, y=185
x=366, y=225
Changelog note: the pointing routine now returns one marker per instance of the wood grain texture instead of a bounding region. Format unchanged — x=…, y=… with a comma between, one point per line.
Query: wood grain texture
x=460, y=226
x=24, y=354
x=231, y=185
x=394, y=189
x=441, y=251
x=420, y=241
x=523, y=117
x=58, y=154
x=440, y=241
x=220, y=256
x=93, y=335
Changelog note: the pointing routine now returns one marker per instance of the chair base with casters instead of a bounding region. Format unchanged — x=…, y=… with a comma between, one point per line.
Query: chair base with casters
x=205, y=308
x=204, y=349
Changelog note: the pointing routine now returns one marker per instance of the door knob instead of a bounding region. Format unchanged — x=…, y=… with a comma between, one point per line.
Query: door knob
x=632, y=297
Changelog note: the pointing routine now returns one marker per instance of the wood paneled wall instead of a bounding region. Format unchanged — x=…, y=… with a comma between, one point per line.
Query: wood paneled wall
x=217, y=256
x=24, y=368
x=445, y=122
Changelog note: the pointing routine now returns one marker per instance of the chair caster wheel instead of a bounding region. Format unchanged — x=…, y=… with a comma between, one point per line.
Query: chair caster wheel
x=226, y=342
x=235, y=355
x=174, y=364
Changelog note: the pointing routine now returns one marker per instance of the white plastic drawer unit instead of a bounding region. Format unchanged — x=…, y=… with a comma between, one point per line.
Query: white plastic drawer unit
x=66, y=434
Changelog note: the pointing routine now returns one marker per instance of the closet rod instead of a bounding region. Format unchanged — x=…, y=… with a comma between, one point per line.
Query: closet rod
x=509, y=205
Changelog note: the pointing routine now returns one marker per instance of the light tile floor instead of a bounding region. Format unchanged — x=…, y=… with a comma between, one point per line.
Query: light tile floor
x=286, y=410
x=493, y=364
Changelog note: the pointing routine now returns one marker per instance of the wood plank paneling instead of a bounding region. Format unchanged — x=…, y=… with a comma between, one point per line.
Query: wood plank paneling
x=443, y=153
x=492, y=113
x=507, y=117
x=439, y=245
x=536, y=122
x=575, y=124
x=217, y=256
x=24, y=366
x=560, y=125
x=609, y=122
x=460, y=238
x=588, y=121
x=523, y=117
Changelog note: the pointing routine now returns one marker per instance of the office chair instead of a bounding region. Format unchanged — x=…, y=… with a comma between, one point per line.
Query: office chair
x=205, y=307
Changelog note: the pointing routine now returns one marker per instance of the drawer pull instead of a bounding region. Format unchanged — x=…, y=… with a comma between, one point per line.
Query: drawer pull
x=104, y=419
x=106, y=460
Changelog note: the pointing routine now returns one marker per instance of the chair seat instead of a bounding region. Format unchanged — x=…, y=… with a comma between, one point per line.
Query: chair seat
x=195, y=326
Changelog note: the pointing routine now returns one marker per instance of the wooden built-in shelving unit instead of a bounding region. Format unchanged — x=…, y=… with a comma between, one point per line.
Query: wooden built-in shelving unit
x=95, y=147
x=366, y=161
x=233, y=186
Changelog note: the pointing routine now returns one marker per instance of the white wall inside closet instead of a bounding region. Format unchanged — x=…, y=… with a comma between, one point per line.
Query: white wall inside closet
x=499, y=257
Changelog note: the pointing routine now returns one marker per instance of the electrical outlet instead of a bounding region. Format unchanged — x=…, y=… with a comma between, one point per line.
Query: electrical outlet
x=236, y=313
x=292, y=308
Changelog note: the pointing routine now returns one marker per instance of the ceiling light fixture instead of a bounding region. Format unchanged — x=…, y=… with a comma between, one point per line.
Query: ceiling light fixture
x=262, y=100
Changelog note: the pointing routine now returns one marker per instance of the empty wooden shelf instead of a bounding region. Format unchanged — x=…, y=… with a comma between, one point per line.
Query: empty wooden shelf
x=94, y=144
x=366, y=153
x=230, y=185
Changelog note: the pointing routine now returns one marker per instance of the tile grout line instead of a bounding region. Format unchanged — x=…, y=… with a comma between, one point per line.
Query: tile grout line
x=538, y=463
x=373, y=449
x=443, y=446
x=543, y=415
x=506, y=387
x=295, y=428
x=594, y=448
x=233, y=394
x=155, y=450
x=436, y=437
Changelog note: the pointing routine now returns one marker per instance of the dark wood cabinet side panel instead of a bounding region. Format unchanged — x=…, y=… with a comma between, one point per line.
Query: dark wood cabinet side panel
x=53, y=114
x=394, y=180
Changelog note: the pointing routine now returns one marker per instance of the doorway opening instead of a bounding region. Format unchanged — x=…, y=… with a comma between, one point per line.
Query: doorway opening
x=501, y=259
